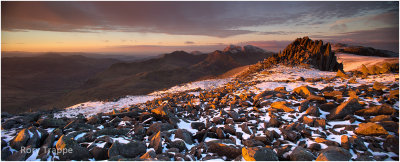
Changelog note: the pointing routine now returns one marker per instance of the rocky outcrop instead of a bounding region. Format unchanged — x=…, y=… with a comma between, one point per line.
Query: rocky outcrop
x=307, y=51
x=299, y=52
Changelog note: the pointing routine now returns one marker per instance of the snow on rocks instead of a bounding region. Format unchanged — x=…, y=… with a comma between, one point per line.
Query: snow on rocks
x=283, y=113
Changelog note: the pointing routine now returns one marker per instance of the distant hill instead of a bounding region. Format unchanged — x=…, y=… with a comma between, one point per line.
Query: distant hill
x=361, y=50
x=144, y=77
x=32, y=82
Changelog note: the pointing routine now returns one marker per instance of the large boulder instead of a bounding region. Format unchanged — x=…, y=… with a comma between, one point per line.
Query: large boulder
x=304, y=91
x=69, y=149
x=51, y=123
x=112, y=132
x=156, y=127
x=156, y=143
x=301, y=154
x=184, y=135
x=370, y=129
x=282, y=105
x=383, y=109
x=230, y=152
x=344, y=109
x=131, y=149
x=20, y=140
x=259, y=154
x=333, y=153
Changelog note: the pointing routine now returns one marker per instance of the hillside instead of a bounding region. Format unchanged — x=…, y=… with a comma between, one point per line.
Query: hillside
x=139, y=78
x=29, y=83
x=363, y=51
x=295, y=110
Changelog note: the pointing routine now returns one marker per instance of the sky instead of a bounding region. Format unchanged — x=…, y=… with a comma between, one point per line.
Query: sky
x=161, y=27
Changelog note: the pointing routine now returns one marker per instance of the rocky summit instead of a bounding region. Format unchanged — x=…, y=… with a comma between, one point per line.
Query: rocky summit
x=279, y=112
x=307, y=51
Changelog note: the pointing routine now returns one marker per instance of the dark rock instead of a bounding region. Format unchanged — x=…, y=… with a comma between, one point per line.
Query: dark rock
x=18, y=156
x=379, y=86
x=3, y=143
x=262, y=139
x=290, y=135
x=370, y=129
x=380, y=157
x=313, y=111
x=253, y=143
x=282, y=105
x=273, y=122
x=149, y=155
x=391, y=144
x=304, y=106
x=198, y=125
x=358, y=143
x=245, y=128
x=333, y=153
x=156, y=127
x=380, y=118
x=51, y=123
x=304, y=91
x=179, y=144
x=259, y=154
x=184, y=135
x=129, y=150
x=156, y=143
x=363, y=158
x=218, y=120
x=327, y=106
x=20, y=140
x=230, y=152
x=315, y=147
x=93, y=120
x=301, y=154
x=220, y=133
x=345, y=143
x=383, y=109
x=71, y=150
x=99, y=153
x=234, y=115
x=111, y=132
x=5, y=153
x=229, y=129
x=345, y=109
x=316, y=98
x=390, y=126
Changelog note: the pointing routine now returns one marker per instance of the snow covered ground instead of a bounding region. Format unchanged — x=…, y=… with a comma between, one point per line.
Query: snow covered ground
x=93, y=107
x=270, y=79
x=204, y=84
x=353, y=62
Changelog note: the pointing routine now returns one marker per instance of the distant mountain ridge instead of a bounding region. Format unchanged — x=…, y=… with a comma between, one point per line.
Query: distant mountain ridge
x=31, y=82
x=178, y=67
x=363, y=51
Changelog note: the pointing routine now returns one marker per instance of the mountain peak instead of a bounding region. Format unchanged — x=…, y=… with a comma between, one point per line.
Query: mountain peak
x=252, y=49
x=245, y=49
x=233, y=49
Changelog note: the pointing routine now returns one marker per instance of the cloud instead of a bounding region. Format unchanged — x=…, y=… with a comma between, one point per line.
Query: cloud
x=382, y=38
x=189, y=42
x=281, y=33
x=216, y=19
x=338, y=27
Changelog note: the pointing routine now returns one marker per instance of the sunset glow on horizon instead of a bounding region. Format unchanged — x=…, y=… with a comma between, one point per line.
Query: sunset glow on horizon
x=160, y=27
